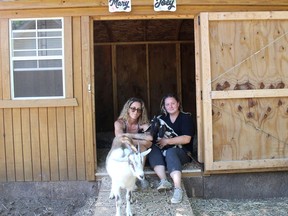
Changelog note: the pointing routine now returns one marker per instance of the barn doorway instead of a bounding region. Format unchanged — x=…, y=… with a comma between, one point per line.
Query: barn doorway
x=145, y=59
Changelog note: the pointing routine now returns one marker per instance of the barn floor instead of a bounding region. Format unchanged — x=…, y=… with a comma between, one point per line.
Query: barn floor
x=104, y=141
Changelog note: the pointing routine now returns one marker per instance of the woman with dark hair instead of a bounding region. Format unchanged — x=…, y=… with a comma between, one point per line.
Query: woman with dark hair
x=172, y=153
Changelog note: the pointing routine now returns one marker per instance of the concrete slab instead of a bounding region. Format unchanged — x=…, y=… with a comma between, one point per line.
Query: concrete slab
x=147, y=202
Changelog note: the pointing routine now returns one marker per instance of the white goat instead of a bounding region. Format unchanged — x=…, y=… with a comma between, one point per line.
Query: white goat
x=124, y=163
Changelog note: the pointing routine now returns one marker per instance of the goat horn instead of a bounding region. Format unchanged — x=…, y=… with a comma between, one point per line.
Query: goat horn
x=129, y=143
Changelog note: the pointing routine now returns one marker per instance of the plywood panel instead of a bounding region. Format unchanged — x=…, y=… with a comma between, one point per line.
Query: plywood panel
x=26, y=139
x=70, y=137
x=44, y=144
x=35, y=144
x=198, y=95
x=163, y=73
x=53, y=144
x=9, y=145
x=249, y=55
x=248, y=102
x=79, y=136
x=188, y=78
x=103, y=88
x=3, y=174
x=131, y=68
x=62, y=145
x=250, y=129
x=18, y=148
x=87, y=68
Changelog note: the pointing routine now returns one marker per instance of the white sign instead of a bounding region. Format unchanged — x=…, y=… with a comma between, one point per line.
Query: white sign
x=119, y=6
x=164, y=5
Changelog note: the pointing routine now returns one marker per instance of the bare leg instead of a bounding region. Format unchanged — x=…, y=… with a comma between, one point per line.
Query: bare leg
x=176, y=176
x=160, y=171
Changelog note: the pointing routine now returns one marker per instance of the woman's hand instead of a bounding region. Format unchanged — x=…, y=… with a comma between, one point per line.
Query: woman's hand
x=162, y=142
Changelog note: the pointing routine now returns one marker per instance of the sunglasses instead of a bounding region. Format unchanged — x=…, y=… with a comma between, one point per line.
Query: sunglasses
x=133, y=109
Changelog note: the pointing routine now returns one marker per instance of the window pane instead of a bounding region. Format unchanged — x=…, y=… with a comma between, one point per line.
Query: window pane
x=23, y=24
x=38, y=83
x=50, y=53
x=50, y=63
x=24, y=44
x=49, y=34
x=49, y=24
x=49, y=43
x=25, y=64
x=24, y=53
x=24, y=34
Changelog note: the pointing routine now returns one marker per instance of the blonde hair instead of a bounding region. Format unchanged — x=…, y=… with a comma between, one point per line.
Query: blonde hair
x=143, y=118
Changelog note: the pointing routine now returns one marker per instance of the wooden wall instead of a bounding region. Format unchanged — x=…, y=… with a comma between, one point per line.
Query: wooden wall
x=50, y=140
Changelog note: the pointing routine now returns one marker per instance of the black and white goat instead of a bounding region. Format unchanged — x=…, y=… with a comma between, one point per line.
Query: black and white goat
x=159, y=129
x=124, y=163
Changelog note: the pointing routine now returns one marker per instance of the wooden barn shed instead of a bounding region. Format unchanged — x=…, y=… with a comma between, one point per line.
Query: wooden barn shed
x=67, y=67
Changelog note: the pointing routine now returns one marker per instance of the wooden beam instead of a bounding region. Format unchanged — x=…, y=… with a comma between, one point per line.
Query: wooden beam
x=138, y=12
x=30, y=4
x=261, y=93
x=38, y=103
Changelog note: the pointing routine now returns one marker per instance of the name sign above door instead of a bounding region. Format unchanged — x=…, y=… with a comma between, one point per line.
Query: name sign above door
x=119, y=6
x=164, y=5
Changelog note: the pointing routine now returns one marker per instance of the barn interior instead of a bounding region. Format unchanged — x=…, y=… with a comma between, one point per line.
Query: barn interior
x=145, y=59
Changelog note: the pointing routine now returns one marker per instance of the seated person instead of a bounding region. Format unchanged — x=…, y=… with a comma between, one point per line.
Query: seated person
x=172, y=153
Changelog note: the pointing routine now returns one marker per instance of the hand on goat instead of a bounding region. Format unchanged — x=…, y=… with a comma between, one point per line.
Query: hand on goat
x=163, y=142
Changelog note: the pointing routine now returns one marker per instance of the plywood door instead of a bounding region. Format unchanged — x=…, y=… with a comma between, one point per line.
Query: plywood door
x=242, y=63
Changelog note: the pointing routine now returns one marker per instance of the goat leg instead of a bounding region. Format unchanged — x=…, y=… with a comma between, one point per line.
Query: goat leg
x=111, y=195
x=118, y=205
x=128, y=204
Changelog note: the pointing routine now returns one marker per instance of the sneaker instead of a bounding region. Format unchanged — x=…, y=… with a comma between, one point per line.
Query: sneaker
x=177, y=195
x=164, y=185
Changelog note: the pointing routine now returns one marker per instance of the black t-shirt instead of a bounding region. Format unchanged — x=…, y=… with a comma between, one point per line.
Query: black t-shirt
x=183, y=125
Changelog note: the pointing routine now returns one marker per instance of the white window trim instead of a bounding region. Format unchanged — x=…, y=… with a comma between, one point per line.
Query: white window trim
x=12, y=59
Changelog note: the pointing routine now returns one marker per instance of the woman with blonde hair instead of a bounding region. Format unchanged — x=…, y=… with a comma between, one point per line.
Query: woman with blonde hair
x=133, y=122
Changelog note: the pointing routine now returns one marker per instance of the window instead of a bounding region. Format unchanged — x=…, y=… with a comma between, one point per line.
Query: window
x=37, y=58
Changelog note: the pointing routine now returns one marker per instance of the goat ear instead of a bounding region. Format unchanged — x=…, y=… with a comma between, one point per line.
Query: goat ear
x=143, y=154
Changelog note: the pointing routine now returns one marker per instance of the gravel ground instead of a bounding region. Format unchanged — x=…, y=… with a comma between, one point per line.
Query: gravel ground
x=245, y=207
x=86, y=207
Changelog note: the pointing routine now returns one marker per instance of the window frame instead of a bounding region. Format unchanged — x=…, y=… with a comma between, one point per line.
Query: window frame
x=37, y=57
x=5, y=88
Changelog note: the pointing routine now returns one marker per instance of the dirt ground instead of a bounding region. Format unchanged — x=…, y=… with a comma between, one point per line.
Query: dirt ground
x=47, y=207
x=86, y=207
